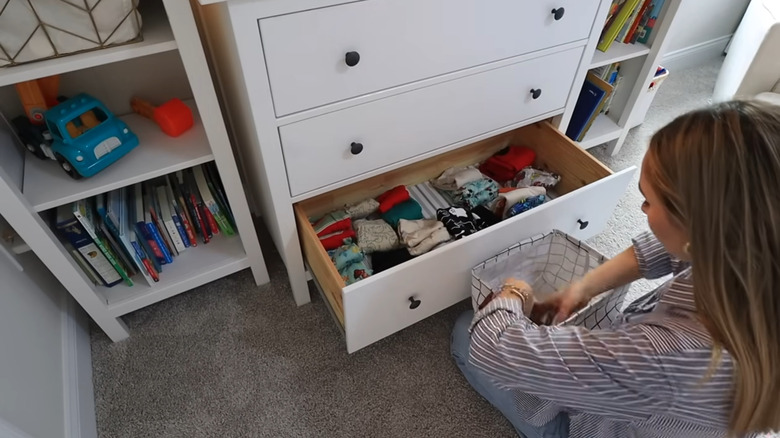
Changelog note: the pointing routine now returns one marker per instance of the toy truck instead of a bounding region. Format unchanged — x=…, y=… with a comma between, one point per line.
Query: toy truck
x=80, y=133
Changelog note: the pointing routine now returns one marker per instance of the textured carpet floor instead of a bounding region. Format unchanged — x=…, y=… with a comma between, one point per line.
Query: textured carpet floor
x=230, y=359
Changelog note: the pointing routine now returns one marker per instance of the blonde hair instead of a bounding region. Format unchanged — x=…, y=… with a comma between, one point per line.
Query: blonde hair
x=717, y=171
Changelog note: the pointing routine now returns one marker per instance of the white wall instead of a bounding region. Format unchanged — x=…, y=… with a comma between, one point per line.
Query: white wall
x=702, y=30
x=45, y=356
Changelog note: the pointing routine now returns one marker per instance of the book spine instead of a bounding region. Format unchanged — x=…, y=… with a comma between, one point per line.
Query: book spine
x=153, y=248
x=154, y=210
x=211, y=204
x=82, y=214
x=139, y=253
x=75, y=233
x=157, y=237
x=168, y=220
x=190, y=226
x=199, y=213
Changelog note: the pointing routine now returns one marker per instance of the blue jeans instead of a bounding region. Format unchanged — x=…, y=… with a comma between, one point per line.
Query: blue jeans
x=501, y=399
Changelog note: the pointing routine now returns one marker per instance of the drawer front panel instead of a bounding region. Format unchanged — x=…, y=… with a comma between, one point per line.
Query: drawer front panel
x=380, y=305
x=393, y=42
x=327, y=149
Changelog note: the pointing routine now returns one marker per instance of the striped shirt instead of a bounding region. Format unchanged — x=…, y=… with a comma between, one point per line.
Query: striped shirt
x=643, y=377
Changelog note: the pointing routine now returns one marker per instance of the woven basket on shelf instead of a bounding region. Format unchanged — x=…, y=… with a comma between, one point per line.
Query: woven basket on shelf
x=34, y=30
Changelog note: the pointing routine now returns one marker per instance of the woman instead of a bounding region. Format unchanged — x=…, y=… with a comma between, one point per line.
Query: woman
x=697, y=357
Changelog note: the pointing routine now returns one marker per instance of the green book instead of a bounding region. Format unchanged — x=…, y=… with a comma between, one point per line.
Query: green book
x=210, y=203
x=608, y=37
x=82, y=210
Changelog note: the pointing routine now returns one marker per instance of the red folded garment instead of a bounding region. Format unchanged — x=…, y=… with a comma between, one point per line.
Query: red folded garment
x=504, y=165
x=393, y=197
x=341, y=225
x=333, y=241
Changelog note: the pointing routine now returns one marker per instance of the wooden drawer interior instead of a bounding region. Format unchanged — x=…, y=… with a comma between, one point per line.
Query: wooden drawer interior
x=554, y=152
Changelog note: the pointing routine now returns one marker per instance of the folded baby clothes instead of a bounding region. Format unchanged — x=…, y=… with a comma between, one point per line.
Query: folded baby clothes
x=413, y=232
x=332, y=222
x=484, y=218
x=530, y=177
x=355, y=272
x=455, y=177
x=408, y=209
x=475, y=193
x=506, y=200
x=362, y=209
x=504, y=165
x=335, y=240
x=440, y=235
x=458, y=221
x=429, y=199
x=384, y=260
x=391, y=198
x=375, y=235
x=526, y=205
x=346, y=255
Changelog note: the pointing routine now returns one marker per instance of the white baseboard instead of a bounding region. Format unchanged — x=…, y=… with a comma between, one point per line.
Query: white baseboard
x=78, y=391
x=695, y=55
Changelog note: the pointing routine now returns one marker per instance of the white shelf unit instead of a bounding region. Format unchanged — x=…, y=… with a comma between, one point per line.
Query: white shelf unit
x=30, y=187
x=638, y=65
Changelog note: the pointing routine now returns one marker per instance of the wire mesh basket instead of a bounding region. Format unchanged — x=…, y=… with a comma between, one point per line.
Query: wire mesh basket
x=549, y=263
x=34, y=30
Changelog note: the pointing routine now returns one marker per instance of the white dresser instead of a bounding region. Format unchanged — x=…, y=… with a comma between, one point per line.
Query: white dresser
x=331, y=102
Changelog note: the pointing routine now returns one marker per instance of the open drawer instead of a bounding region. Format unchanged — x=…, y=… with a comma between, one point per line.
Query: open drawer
x=382, y=304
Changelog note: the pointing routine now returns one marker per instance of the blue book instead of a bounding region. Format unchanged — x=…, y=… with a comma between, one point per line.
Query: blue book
x=151, y=228
x=136, y=217
x=588, y=103
x=70, y=228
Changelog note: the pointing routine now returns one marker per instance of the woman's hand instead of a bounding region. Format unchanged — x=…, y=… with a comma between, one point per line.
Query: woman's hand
x=518, y=290
x=560, y=305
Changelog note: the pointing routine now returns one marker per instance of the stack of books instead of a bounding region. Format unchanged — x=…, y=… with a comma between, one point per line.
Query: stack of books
x=140, y=229
x=630, y=22
x=595, y=97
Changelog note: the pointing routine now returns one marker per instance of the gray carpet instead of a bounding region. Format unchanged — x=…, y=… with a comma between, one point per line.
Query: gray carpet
x=232, y=360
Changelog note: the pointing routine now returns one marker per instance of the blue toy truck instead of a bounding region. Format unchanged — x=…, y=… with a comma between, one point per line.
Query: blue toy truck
x=80, y=133
x=86, y=136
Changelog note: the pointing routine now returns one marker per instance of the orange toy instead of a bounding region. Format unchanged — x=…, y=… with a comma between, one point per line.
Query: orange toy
x=37, y=96
x=173, y=117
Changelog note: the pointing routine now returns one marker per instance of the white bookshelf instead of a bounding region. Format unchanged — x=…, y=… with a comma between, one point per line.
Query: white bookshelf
x=603, y=130
x=169, y=30
x=196, y=266
x=638, y=66
x=618, y=52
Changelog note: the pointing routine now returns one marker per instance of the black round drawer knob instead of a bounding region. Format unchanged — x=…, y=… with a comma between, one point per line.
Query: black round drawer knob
x=584, y=224
x=558, y=13
x=413, y=303
x=356, y=148
x=536, y=92
x=352, y=58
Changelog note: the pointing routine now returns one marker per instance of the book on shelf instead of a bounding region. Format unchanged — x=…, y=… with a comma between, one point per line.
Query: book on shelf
x=608, y=103
x=168, y=219
x=83, y=211
x=156, y=212
x=650, y=20
x=142, y=256
x=178, y=217
x=628, y=23
x=630, y=38
x=187, y=211
x=208, y=224
x=81, y=261
x=152, y=226
x=592, y=96
x=215, y=184
x=72, y=230
x=616, y=21
x=108, y=210
x=211, y=204
x=179, y=209
x=143, y=230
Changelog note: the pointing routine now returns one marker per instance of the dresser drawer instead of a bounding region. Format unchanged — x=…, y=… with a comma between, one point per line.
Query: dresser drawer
x=382, y=304
x=327, y=149
x=402, y=41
